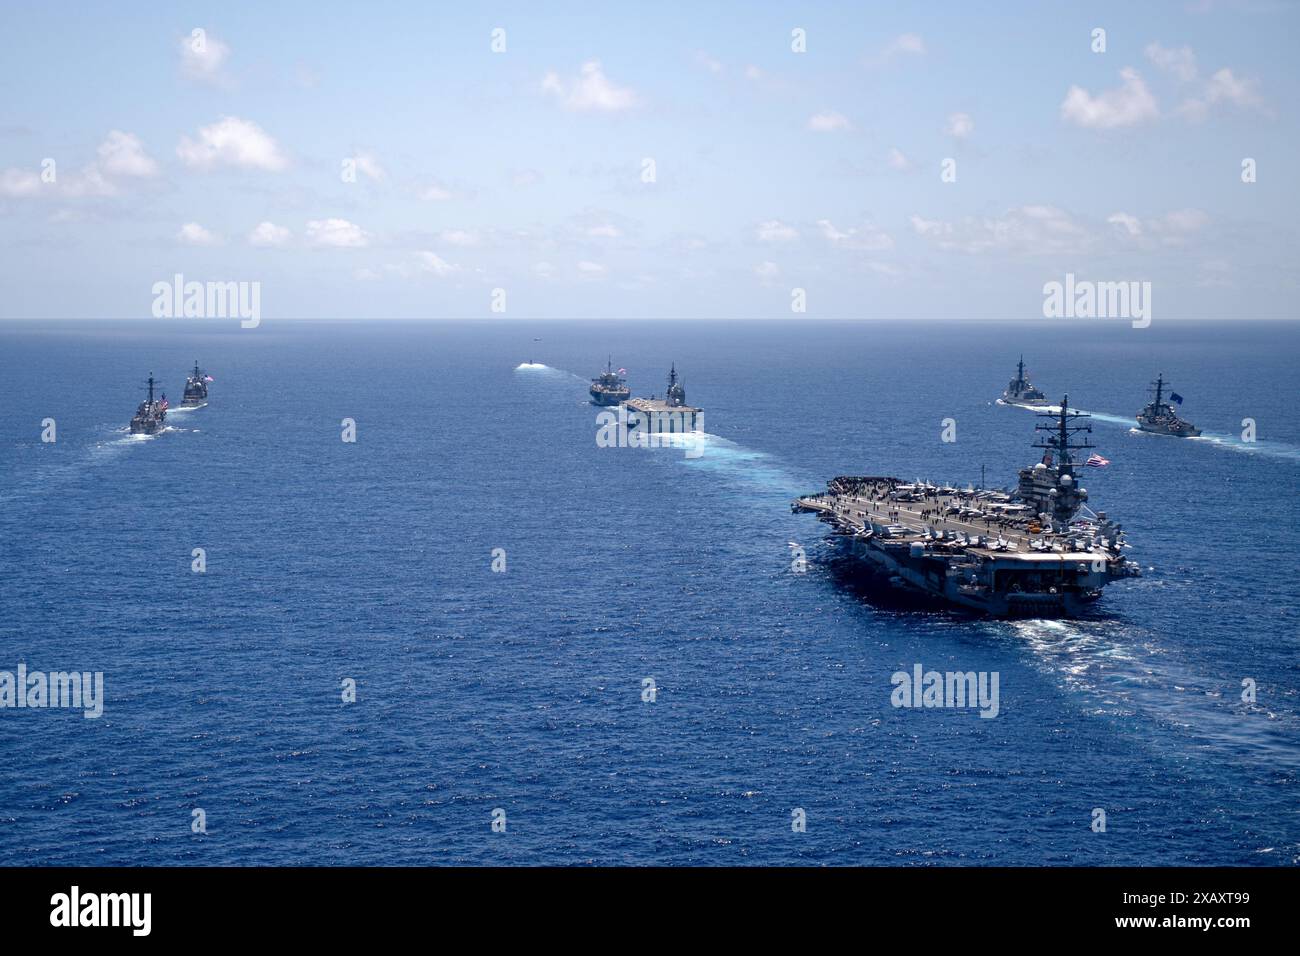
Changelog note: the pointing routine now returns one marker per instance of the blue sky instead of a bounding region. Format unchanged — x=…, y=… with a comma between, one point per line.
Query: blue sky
x=523, y=170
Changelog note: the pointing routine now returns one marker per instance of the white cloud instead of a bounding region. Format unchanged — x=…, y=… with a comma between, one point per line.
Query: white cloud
x=898, y=161
x=19, y=183
x=960, y=125
x=202, y=57
x=1127, y=105
x=931, y=228
x=459, y=237
x=1026, y=230
x=526, y=177
x=1180, y=62
x=122, y=154
x=192, y=234
x=268, y=234
x=338, y=233
x=864, y=238
x=709, y=63
x=767, y=272
x=591, y=270
x=1130, y=224
x=1172, y=229
x=368, y=165
x=827, y=122
x=907, y=44
x=1222, y=88
x=1185, y=220
x=543, y=270
x=590, y=90
x=232, y=141
x=753, y=73
x=604, y=231
x=89, y=181
x=435, y=264
x=435, y=193
x=421, y=263
x=776, y=231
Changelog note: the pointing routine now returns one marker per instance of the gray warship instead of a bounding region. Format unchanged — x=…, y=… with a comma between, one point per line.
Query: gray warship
x=1019, y=391
x=151, y=417
x=670, y=413
x=196, y=387
x=1036, y=551
x=1158, y=416
x=609, y=388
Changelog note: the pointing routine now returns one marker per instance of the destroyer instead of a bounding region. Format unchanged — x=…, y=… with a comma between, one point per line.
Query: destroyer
x=609, y=388
x=1158, y=416
x=1038, y=550
x=150, y=418
x=196, y=387
x=1019, y=391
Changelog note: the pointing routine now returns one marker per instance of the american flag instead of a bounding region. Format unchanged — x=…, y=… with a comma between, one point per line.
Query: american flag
x=1096, y=461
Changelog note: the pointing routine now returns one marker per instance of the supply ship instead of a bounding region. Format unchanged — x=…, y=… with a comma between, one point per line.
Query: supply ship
x=196, y=387
x=1036, y=551
x=609, y=388
x=1020, y=391
x=1158, y=416
x=151, y=417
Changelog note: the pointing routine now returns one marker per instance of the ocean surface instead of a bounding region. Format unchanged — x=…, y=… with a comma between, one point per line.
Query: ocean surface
x=522, y=690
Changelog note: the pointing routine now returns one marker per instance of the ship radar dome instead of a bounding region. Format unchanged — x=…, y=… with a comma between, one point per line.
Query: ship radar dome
x=1040, y=467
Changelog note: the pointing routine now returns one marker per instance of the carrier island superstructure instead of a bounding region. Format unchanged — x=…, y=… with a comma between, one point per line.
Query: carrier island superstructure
x=1038, y=550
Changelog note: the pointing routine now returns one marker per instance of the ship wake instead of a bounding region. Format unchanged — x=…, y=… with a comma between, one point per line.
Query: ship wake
x=1265, y=449
x=1126, y=674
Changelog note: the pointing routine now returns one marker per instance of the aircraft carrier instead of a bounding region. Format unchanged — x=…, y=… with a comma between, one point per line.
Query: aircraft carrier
x=670, y=413
x=1036, y=551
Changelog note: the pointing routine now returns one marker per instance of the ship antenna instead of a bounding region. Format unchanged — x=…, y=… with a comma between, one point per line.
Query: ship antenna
x=1059, y=437
x=1020, y=369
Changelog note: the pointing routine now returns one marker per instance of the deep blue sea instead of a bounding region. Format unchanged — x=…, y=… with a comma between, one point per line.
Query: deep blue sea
x=522, y=690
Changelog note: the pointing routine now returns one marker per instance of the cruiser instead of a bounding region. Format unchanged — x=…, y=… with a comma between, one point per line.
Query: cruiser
x=1036, y=551
x=151, y=416
x=1159, y=417
x=1019, y=391
x=609, y=388
x=196, y=387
